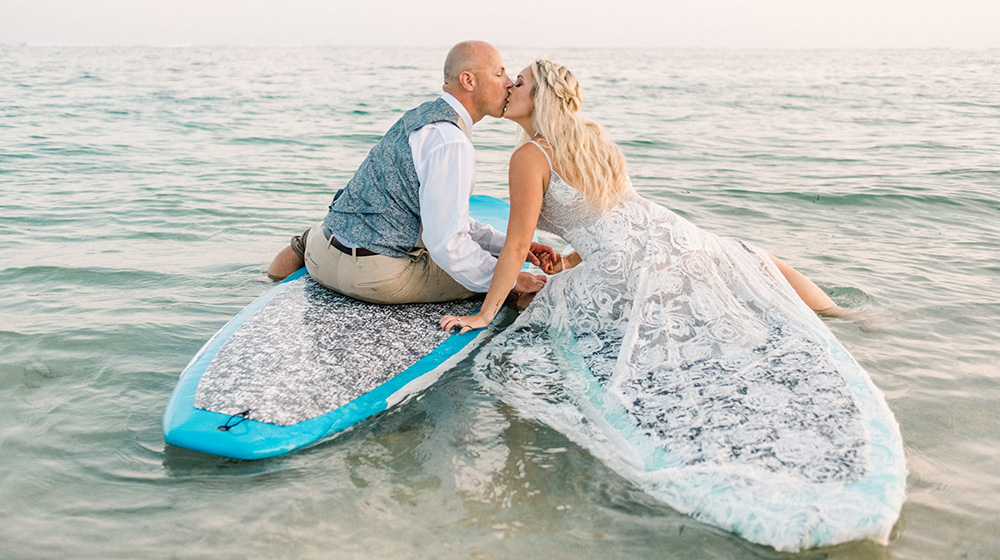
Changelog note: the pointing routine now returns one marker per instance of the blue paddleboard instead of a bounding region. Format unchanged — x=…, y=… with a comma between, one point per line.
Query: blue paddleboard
x=303, y=363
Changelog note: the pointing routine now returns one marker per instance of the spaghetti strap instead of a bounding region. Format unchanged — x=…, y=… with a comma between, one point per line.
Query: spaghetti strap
x=546, y=154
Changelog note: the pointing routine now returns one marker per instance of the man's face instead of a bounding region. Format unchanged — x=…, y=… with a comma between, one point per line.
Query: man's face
x=492, y=86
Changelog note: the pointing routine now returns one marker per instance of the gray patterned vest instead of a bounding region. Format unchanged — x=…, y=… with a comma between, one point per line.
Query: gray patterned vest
x=379, y=209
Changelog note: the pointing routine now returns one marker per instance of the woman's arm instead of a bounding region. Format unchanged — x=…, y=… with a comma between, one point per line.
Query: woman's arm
x=528, y=177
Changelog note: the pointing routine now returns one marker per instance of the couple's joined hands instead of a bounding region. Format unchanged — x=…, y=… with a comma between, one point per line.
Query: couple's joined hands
x=551, y=262
x=538, y=255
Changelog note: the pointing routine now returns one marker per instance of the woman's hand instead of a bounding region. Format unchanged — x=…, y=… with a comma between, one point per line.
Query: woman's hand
x=537, y=253
x=552, y=265
x=465, y=323
x=559, y=263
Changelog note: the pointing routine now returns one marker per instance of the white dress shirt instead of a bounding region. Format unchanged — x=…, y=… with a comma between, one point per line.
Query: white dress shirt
x=445, y=162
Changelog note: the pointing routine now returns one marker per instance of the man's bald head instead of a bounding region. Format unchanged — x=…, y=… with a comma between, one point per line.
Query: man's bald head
x=474, y=74
x=467, y=56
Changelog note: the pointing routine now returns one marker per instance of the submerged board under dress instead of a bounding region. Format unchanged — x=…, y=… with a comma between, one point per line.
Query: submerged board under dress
x=687, y=363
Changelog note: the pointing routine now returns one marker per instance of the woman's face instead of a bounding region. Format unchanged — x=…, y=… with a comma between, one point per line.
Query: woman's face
x=521, y=104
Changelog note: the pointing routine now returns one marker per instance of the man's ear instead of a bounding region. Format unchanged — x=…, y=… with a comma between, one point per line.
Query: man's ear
x=467, y=80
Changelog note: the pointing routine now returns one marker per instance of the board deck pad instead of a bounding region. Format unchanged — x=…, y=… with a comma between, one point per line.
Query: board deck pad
x=311, y=350
x=302, y=364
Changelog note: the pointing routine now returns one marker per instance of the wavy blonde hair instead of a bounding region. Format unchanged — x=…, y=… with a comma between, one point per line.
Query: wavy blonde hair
x=584, y=155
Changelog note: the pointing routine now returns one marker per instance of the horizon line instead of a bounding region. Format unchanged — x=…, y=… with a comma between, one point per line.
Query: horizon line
x=499, y=46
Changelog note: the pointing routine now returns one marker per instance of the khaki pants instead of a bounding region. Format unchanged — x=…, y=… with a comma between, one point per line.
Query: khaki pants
x=377, y=278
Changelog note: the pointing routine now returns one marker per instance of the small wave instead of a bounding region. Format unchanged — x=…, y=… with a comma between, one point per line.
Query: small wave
x=915, y=147
x=272, y=140
x=970, y=172
x=92, y=276
x=360, y=138
x=16, y=155
x=873, y=199
x=975, y=104
x=73, y=150
x=850, y=297
x=645, y=144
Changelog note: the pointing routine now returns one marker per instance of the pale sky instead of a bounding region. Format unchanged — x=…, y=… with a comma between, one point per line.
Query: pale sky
x=961, y=24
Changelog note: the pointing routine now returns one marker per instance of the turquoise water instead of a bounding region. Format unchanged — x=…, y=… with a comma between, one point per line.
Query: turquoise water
x=143, y=192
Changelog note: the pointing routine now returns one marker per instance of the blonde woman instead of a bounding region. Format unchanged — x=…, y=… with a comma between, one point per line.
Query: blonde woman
x=688, y=362
x=555, y=141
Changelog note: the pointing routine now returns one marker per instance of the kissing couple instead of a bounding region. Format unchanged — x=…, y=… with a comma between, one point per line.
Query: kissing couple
x=400, y=231
x=662, y=348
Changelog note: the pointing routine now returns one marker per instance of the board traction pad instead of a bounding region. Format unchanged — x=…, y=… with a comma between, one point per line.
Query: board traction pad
x=310, y=350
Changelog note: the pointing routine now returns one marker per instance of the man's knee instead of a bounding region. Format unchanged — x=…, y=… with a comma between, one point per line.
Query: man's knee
x=284, y=264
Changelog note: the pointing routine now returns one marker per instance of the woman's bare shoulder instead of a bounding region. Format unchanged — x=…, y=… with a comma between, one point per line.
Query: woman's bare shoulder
x=530, y=156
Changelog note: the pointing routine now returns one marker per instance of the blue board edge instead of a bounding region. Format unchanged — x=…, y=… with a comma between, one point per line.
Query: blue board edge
x=197, y=429
x=186, y=426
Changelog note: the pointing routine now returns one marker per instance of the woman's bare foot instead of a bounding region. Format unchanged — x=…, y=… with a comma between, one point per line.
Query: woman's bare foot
x=867, y=322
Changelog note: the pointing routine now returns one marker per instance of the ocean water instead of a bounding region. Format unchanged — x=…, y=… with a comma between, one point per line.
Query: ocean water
x=143, y=191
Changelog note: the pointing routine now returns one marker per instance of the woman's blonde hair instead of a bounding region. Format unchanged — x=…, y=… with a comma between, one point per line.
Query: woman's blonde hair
x=582, y=153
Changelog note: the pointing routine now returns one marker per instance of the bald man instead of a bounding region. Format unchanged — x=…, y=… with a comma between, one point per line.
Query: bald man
x=400, y=231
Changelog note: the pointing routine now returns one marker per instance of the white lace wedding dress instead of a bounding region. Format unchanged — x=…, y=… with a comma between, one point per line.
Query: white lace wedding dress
x=687, y=363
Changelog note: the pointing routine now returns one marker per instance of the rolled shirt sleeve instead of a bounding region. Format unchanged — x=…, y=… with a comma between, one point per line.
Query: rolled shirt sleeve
x=446, y=167
x=486, y=236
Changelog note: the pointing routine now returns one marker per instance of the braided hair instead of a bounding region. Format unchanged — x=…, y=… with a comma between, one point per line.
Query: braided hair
x=582, y=152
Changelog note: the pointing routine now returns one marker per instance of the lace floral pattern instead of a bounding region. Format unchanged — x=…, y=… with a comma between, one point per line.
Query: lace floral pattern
x=686, y=361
